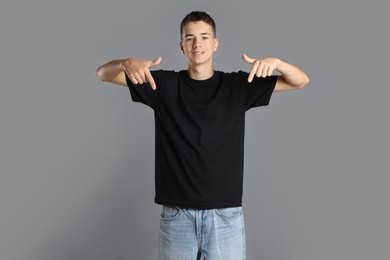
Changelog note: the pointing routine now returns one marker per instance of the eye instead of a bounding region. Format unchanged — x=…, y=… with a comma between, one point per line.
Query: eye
x=205, y=37
x=188, y=39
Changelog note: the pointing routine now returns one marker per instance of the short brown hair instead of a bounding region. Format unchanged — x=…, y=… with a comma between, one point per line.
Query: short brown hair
x=197, y=16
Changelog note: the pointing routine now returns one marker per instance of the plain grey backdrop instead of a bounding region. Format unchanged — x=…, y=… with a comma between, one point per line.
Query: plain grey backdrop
x=77, y=155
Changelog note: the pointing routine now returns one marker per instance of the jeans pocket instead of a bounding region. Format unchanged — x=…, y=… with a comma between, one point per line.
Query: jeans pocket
x=229, y=212
x=169, y=213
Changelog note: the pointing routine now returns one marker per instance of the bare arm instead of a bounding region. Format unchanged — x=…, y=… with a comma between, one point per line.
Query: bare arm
x=113, y=72
x=137, y=70
x=291, y=77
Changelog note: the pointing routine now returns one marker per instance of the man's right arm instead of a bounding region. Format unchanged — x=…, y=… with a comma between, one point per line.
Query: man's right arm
x=137, y=71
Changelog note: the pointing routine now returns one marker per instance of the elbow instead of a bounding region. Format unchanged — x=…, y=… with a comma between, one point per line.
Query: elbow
x=304, y=82
x=99, y=73
x=307, y=80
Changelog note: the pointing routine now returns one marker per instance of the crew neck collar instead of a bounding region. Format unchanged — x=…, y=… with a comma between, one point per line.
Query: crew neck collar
x=203, y=82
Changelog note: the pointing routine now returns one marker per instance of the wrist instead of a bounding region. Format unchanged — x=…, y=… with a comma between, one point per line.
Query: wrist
x=278, y=63
x=123, y=64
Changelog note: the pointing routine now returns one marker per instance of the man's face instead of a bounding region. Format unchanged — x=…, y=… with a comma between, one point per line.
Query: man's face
x=198, y=43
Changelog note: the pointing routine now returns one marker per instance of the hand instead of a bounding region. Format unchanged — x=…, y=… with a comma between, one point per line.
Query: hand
x=138, y=70
x=261, y=67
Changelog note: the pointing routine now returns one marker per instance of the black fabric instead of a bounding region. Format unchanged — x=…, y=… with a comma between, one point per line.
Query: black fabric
x=199, y=135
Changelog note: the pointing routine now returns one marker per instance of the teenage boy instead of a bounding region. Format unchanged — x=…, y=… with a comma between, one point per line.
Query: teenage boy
x=199, y=133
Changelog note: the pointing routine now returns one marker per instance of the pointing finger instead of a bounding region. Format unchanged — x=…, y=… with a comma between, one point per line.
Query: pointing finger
x=150, y=79
x=253, y=71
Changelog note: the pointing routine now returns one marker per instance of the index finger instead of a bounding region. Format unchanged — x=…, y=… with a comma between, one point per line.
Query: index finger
x=150, y=79
x=253, y=71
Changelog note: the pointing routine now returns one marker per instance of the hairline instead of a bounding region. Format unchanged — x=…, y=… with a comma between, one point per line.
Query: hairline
x=206, y=18
x=211, y=34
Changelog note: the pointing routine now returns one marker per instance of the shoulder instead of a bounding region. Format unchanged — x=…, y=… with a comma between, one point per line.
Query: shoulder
x=161, y=76
x=165, y=74
x=235, y=77
x=234, y=74
x=166, y=81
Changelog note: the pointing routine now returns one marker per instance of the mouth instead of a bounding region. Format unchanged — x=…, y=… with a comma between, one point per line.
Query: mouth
x=196, y=53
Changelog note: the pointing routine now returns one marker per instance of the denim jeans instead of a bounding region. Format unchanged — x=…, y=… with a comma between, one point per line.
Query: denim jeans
x=216, y=234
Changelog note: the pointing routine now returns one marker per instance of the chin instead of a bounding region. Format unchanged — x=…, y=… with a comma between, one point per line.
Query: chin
x=199, y=60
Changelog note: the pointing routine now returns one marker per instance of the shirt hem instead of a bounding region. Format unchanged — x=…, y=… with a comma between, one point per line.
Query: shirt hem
x=198, y=205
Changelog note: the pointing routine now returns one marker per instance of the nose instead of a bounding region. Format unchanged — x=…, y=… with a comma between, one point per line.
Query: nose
x=196, y=43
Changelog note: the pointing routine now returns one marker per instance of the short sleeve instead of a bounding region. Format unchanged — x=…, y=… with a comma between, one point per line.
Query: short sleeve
x=259, y=91
x=143, y=93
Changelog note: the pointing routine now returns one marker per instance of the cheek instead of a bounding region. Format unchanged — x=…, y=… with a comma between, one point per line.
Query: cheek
x=188, y=47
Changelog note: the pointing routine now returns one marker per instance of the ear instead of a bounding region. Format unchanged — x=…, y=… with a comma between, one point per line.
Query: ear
x=215, y=44
x=181, y=46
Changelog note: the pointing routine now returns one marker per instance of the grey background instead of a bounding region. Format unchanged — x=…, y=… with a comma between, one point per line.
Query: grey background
x=77, y=154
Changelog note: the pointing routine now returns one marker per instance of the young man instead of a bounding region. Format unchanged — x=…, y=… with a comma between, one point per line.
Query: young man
x=199, y=125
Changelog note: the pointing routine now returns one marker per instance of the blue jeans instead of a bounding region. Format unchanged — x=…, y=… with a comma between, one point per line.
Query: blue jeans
x=216, y=234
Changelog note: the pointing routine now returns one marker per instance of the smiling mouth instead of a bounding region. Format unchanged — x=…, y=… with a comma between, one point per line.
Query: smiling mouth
x=197, y=52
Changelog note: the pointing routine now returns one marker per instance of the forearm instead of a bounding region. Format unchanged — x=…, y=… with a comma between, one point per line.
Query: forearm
x=292, y=74
x=110, y=70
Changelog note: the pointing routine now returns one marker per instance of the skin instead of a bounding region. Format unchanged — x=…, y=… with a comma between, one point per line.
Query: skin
x=198, y=44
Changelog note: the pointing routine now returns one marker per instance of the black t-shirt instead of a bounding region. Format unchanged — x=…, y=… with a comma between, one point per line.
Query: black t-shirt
x=199, y=135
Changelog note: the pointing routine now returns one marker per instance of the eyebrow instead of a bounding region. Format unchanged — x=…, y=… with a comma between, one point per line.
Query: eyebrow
x=190, y=34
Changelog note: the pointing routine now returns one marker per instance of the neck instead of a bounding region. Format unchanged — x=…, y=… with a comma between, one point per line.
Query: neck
x=200, y=72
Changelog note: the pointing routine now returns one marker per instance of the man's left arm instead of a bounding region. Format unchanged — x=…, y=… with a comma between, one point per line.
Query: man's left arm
x=291, y=77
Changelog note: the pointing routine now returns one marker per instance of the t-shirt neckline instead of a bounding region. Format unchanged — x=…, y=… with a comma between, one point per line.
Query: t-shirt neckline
x=204, y=82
